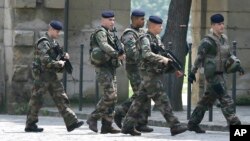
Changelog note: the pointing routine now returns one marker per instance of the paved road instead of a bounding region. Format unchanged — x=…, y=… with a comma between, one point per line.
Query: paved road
x=12, y=129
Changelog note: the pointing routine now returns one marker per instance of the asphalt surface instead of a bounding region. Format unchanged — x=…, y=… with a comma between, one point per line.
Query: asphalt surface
x=12, y=129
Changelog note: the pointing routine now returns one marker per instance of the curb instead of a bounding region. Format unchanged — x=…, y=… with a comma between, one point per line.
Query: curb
x=46, y=112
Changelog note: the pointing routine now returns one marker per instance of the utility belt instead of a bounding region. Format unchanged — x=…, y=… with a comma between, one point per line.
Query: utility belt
x=113, y=63
x=218, y=72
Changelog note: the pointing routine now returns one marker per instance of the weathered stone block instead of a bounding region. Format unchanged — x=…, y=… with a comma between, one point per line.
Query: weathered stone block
x=57, y=4
x=215, y=5
x=81, y=4
x=1, y=18
x=122, y=18
x=239, y=20
x=23, y=38
x=21, y=73
x=1, y=3
x=120, y=5
x=242, y=38
x=24, y=3
x=7, y=40
x=101, y=4
x=1, y=36
x=77, y=21
x=235, y=5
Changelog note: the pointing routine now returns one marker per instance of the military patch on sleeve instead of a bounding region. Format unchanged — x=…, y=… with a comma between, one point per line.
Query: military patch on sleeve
x=129, y=40
x=44, y=47
x=101, y=36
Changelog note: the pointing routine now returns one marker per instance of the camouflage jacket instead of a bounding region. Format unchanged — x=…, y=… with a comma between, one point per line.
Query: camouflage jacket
x=129, y=38
x=150, y=60
x=42, y=55
x=102, y=39
x=212, y=54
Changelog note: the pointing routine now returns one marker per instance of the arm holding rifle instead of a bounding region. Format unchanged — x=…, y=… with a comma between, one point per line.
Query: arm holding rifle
x=118, y=46
x=174, y=61
x=63, y=57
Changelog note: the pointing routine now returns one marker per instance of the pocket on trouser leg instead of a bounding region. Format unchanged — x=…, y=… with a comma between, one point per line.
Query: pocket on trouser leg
x=218, y=88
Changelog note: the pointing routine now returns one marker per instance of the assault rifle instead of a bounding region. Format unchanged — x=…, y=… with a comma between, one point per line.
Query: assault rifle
x=118, y=44
x=60, y=56
x=175, y=63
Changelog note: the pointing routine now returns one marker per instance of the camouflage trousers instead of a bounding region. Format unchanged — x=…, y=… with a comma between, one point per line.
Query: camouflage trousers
x=215, y=89
x=150, y=87
x=134, y=77
x=105, y=107
x=48, y=82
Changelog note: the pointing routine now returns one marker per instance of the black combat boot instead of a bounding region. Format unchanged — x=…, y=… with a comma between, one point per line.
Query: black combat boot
x=33, y=128
x=195, y=128
x=132, y=131
x=74, y=126
x=177, y=129
x=108, y=128
x=144, y=128
x=118, y=118
x=92, y=122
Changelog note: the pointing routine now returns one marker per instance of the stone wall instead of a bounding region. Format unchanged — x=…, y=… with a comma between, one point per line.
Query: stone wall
x=24, y=21
x=2, y=69
x=84, y=17
x=237, y=29
x=28, y=19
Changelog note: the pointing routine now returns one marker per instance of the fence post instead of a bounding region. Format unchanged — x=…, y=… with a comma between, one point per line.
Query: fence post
x=81, y=78
x=189, y=92
x=66, y=20
x=169, y=92
x=96, y=91
x=234, y=78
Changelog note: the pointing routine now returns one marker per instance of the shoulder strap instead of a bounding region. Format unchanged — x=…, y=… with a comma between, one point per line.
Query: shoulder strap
x=138, y=41
x=96, y=31
x=41, y=40
x=92, y=36
x=131, y=30
x=215, y=40
x=99, y=29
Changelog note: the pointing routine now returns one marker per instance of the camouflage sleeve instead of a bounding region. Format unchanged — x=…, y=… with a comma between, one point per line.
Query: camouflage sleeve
x=202, y=50
x=46, y=60
x=146, y=52
x=129, y=42
x=102, y=40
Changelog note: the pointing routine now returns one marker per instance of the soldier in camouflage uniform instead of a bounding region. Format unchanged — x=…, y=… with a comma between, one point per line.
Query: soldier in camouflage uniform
x=213, y=54
x=152, y=67
x=45, y=79
x=105, y=59
x=129, y=39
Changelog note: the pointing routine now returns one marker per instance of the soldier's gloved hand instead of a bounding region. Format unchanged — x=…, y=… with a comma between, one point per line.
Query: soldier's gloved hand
x=191, y=77
x=62, y=63
x=165, y=60
x=241, y=71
